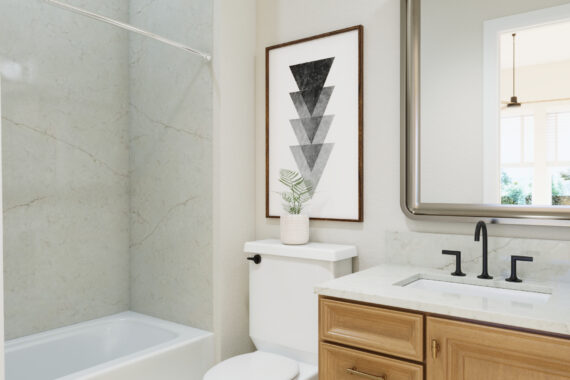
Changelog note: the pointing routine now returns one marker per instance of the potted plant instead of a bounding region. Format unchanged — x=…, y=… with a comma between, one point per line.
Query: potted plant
x=294, y=225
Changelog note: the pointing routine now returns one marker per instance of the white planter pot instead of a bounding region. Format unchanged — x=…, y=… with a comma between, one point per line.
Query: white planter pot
x=294, y=229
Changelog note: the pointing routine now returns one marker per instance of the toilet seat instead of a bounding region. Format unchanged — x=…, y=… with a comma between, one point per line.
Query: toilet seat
x=254, y=366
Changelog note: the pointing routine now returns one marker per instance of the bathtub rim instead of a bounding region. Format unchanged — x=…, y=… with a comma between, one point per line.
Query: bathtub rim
x=185, y=335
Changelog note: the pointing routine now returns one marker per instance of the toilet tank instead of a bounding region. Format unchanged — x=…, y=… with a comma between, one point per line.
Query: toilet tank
x=283, y=307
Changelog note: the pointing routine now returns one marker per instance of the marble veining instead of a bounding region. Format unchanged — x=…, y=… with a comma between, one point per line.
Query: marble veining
x=198, y=135
x=160, y=222
x=170, y=139
x=65, y=165
x=67, y=143
x=107, y=158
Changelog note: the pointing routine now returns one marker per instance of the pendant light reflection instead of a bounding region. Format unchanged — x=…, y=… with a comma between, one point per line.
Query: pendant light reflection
x=514, y=100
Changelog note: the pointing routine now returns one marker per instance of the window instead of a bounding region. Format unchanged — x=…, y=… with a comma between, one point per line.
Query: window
x=516, y=186
x=558, y=137
x=517, y=159
x=558, y=156
x=517, y=139
x=535, y=172
x=560, y=186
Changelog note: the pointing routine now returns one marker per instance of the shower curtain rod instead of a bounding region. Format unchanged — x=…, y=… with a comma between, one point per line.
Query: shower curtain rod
x=128, y=27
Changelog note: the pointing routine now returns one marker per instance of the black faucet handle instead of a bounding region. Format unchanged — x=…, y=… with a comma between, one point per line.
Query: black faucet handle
x=514, y=260
x=457, y=255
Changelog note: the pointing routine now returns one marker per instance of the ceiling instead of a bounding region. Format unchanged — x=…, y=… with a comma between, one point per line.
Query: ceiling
x=537, y=45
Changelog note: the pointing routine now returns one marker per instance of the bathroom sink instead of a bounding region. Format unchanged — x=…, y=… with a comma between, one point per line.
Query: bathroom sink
x=486, y=291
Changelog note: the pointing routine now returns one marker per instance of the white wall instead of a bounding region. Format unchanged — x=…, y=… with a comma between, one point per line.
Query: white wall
x=234, y=170
x=284, y=20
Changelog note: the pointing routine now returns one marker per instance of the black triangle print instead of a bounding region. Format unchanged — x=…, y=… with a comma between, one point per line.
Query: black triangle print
x=321, y=105
x=311, y=97
x=311, y=153
x=310, y=75
x=311, y=126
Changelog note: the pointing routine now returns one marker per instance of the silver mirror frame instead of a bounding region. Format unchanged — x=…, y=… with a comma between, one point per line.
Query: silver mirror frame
x=410, y=150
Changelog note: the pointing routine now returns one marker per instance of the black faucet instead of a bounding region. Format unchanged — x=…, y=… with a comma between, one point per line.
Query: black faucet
x=514, y=260
x=481, y=226
x=457, y=255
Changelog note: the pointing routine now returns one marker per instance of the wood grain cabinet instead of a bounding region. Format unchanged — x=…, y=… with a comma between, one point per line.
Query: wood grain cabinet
x=467, y=351
x=372, y=328
x=361, y=341
x=341, y=363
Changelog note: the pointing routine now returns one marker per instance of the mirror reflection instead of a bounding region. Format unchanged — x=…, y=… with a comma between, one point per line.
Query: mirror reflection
x=495, y=102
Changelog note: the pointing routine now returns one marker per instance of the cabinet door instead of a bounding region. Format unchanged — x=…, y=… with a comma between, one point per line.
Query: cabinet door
x=465, y=351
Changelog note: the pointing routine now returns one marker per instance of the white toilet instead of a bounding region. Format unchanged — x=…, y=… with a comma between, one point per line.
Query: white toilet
x=283, y=310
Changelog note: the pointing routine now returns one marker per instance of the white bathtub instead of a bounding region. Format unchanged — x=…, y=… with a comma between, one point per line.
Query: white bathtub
x=123, y=346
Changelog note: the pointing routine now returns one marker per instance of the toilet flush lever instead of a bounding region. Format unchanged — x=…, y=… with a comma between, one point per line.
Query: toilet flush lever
x=255, y=258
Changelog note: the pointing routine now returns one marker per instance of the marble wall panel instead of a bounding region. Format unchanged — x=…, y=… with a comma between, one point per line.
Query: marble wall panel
x=551, y=257
x=65, y=162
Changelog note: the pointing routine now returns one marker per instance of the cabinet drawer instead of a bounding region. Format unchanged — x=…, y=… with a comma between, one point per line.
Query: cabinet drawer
x=372, y=328
x=340, y=363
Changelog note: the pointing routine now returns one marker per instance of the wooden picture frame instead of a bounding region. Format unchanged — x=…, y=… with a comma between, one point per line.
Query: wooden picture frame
x=305, y=79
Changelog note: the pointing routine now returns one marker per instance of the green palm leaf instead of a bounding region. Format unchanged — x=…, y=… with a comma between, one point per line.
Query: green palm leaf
x=300, y=191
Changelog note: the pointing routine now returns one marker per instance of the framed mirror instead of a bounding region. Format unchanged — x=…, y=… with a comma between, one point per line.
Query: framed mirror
x=486, y=110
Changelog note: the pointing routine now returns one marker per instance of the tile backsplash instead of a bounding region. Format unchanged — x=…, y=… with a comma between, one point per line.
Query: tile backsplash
x=551, y=257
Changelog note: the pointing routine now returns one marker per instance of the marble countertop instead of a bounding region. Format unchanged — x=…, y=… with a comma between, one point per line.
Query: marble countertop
x=382, y=285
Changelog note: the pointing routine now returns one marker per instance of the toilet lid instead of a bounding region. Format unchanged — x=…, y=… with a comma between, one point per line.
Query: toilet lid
x=254, y=366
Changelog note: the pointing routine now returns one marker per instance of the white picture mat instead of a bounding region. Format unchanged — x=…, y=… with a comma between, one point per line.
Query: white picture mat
x=337, y=194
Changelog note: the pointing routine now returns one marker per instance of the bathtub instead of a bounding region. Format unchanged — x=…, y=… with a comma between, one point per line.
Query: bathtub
x=119, y=347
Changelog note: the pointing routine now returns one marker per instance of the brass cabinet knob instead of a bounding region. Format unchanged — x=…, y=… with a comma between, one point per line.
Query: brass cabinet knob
x=434, y=348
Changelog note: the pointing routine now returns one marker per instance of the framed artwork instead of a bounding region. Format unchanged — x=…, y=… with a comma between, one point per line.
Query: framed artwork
x=314, y=122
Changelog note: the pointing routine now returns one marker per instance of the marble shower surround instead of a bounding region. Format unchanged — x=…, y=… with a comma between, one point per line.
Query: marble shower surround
x=171, y=165
x=107, y=176
x=551, y=257
x=65, y=162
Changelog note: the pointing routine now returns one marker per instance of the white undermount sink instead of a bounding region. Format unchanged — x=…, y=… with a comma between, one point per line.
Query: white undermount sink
x=441, y=286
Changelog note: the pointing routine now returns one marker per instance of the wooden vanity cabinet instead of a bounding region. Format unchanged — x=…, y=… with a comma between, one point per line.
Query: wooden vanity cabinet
x=359, y=341
x=468, y=351
x=372, y=328
x=362, y=341
x=342, y=363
